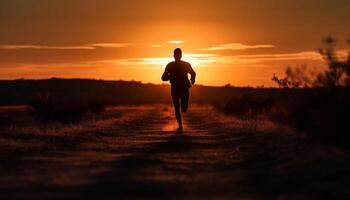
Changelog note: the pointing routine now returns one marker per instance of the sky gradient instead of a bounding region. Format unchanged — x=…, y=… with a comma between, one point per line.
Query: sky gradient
x=241, y=42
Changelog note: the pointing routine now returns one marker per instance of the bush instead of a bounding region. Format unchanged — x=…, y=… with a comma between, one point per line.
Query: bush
x=323, y=110
x=336, y=75
x=321, y=113
x=50, y=108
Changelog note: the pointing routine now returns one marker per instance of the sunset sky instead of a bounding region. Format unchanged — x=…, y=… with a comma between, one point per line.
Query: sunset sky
x=241, y=42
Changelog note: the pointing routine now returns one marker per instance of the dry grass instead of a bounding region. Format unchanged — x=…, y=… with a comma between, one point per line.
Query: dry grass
x=22, y=130
x=321, y=113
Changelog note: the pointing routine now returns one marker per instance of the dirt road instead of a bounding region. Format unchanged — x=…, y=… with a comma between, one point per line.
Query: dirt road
x=137, y=154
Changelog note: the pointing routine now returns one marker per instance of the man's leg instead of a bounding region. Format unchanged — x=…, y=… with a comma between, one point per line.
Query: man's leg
x=176, y=103
x=184, y=101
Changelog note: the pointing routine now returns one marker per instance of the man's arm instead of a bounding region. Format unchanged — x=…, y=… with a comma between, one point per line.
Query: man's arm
x=192, y=73
x=166, y=75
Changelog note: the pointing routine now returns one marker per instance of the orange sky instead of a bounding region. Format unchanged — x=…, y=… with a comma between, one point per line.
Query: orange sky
x=241, y=42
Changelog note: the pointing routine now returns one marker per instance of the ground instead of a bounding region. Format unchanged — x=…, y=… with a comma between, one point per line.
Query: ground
x=134, y=152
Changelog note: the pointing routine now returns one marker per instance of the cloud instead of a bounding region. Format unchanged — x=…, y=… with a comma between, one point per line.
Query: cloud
x=110, y=45
x=14, y=47
x=197, y=59
x=194, y=59
x=237, y=46
x=204, y=59
x=304, y=55
x=82, y=47
x=175, y=42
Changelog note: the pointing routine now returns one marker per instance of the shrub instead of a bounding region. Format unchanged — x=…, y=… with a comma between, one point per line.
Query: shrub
x=321, y=113
x=337, y=73
x=50, y=108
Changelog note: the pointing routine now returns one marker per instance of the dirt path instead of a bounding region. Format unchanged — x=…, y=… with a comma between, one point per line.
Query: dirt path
x=138, y=155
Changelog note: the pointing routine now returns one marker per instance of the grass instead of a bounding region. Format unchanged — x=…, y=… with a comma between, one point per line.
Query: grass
x=24, y=132
x=321, y=113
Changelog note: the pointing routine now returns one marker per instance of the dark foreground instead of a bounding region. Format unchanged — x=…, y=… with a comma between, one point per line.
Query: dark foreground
x=135, y=153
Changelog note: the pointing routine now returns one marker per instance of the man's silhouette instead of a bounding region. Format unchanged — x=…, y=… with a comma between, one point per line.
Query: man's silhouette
x=177, y=72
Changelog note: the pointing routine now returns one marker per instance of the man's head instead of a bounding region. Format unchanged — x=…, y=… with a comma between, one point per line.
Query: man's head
x=177, y=54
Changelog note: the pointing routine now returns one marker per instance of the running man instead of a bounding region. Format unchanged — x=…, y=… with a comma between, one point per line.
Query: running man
x=177, y=72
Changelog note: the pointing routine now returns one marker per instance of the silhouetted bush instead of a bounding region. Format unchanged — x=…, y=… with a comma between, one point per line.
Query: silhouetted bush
x=296, y=77
x=50, y=108
x=322, y=107
x=337, y=73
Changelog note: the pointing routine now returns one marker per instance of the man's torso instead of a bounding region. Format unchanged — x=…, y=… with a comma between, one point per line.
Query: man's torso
x=178, y=75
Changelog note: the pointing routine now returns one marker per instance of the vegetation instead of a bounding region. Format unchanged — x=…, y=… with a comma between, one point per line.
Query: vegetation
x=318, y=105
x=337, y=73
x=50, y=108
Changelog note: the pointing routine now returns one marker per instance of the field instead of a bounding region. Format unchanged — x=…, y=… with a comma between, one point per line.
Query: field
x=134, y=152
